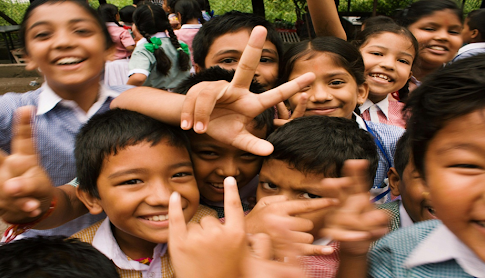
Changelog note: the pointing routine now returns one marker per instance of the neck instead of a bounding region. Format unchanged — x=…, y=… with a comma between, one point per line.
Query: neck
x=376, y=99
x=85, y=95
x=192, y=21
x=135, y=248
x=423, y=71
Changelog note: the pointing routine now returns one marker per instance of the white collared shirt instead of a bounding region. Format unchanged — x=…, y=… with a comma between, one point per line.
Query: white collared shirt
x=48, y=99
x=105, y=242
x=382, y=105
x=406, y=220
x=470, y=46
x=191, y=26
x=442, y=245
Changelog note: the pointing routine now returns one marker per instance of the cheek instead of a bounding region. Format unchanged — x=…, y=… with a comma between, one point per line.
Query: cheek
x=202, y=168
x=293, y=101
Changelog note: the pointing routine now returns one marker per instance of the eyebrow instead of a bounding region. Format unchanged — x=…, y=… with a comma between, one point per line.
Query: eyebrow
x=142, y=170
x=401, y=52
x=72, y=21
x=460, y=146
x=234, y=51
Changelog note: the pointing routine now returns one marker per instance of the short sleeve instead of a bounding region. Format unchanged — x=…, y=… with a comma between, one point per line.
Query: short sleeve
x=140, y=62
x=126, y=39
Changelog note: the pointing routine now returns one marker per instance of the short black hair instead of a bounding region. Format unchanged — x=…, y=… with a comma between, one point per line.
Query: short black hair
x=188, y=9
x=107, y=133
x=401, y=156
x=452, y=92
x=423, y=8
x=230, y=22
x=476, y=20
x=216, y=73
x=321, y=145
x=376, y=21
x=126, y=14
x=53, y=257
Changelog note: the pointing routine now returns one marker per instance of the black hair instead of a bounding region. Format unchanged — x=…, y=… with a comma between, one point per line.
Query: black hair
x=108, y=13
x=452, y=92
x=53, y=257
x=476, y=20
x=108, y=133
x=216, y=73
x=369, y=32
x=423, y=8
x=126, y=14
x=83, y=4
x=188, y=9
x=151, y=19
x=376, y=21
x=202, y=4
x=342, y=52
x=321, y=145
x=403, y=151
x=230, y=22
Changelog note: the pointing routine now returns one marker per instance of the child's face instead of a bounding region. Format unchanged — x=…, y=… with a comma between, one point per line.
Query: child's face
x=135, y=186
x=214, y=161
x=226, y=52
x=388, y=59
x=466, y=34
x=455, y=174
x=333, y=93
x=439, y=37
x=69, y=47
x=279, y=178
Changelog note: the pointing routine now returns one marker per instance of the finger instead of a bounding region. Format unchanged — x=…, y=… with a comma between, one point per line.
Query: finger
x=205, y=102
x=357, y=169
x=279, y=122
x=250, y=143
x=176, y=219
x=261, y=245
x=250, y=58
x=271, y=199
x=338, y=234
x=313, y=250
x=305, y=206
x=232, y=205
x=282, y=111
x=22, y=141
x=188, y=106
x=300, y=108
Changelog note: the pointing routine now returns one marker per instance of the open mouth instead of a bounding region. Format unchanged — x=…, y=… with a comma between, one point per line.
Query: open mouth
x=438, y=48
x=381, y=76
x=69, y=61
x=157, y=218
x=217, y=185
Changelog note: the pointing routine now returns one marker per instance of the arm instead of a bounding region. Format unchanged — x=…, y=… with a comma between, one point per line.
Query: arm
x=325, y=18
x=136, y=79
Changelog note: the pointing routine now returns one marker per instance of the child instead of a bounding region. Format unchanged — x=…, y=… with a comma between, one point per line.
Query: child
x=70, y=49
x=473, y=35
x=437, y=26
x=189, y=13
x=447, y=146
x=405, y=181
x=376, y=21
x=126, y=16
x=54, y=257
x=116, y=72
x=338, y=89
x=389, y=52
x=128, y=166
x=158, y=60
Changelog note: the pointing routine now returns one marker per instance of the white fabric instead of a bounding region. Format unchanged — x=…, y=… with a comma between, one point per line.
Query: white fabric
x=191, y=26
x=471, y=46
x=406, y=221
x=116, y=72
x=382, y=105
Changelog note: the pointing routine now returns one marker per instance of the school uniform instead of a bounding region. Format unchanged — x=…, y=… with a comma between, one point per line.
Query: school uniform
x=186, y=33
x=469, y=50
x=325, y=266
x=426, y=249
x=386, y=111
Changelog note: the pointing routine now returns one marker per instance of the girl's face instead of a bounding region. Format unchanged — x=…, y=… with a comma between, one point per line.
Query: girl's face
x=334, y=92
x=455, y=175
x=69, y=48
x=439, y=37
x=388, y=59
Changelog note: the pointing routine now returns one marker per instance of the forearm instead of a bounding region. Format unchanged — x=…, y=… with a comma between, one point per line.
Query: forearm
x=137, y=79
x=325, y=18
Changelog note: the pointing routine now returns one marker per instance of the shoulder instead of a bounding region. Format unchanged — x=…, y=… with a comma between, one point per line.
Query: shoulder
x=392, y=210
x=87, y=234
x=385, y=130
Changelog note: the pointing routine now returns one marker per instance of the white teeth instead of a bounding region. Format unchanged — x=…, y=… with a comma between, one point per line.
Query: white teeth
x=157, y=218
x=218, y=185
x=380, y=75
x=435, y=47
x=69, y=60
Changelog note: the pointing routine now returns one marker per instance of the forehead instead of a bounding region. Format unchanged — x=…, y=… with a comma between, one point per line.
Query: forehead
x=320, y=63
x=444, y=17
x=391, y=41
x=282, y=174
x=65, y=12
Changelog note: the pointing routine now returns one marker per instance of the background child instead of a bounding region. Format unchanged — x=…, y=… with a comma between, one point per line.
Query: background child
x=448, y=146
x=158, y=60
x=376, y=21
x=191, y=18
x=128, y=166
x=473, y=35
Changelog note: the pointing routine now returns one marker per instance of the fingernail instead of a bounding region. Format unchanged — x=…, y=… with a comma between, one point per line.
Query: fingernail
x=230, y=181
x=184, y=124
x=174, y=197
x=327, y=250
x=199, y=126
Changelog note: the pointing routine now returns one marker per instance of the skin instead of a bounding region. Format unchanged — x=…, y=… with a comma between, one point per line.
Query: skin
x=135, y=185
x=439, y=37
x=214, y=161
x=72, y=34
x=226, y=52
x=333, y=93
x=454, y=173
x=388, y=59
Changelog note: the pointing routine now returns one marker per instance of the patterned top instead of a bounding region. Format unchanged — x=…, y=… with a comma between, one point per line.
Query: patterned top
x=321, y=266
x=392, y=210
x=387, y=111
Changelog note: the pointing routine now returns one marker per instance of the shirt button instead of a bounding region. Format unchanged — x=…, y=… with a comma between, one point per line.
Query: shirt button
x=151, y=274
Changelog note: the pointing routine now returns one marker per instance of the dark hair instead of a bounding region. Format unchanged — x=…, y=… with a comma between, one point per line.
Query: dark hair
x=343, y=53
x=403, y=150
x=151, y=19
x=369, y=32
x=452, y=92
x=126, y=14
x=107, y=133
x=216, y=73
x=108, y=13
x=476, y=20
x=423, y=8
x=321, y=145
x=188, y=9
x=202, y=4
x=83, y=4
x=230, y=22
x=376, y=21
x=53, y=257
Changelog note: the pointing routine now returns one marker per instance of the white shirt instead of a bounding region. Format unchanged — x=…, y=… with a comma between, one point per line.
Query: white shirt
x=442, y=245
x=471, y=46
x=382, y=105
x=406, y=221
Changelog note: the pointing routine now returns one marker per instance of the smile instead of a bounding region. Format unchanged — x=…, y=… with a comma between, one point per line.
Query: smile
x=157, y=218
x=69, y=61
x=217, y=185
x=381, y=76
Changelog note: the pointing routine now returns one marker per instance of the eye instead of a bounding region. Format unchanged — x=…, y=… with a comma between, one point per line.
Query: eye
x=228, y=61
x=268, y=186
x=307, y=195
x=182, y=175
x=336, y=82
x=454, y=32
x=42, y=35
x=429, y=29
x=131, y=182
x=266, y=60
x=305, y=89
x=376, y=53
x=404, y=61
x=207, y=153
x=83, y=31
x=249, y=156
x=466, y=166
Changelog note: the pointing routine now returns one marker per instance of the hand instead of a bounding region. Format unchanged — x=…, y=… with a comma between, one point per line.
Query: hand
x=284, y=115
x=277, y=217
x=25, y=188
x=223, y=110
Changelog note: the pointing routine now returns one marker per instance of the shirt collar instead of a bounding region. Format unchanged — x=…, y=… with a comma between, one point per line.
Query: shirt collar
x=105, y=242
x=191, y=26
x=112, y=24
x=383, y=106
x=360, y=121
x=432, y=250
x=471, y=46
x=406, y=221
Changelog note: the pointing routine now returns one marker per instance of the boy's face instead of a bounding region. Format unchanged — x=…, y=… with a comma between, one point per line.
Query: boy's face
x=135, y=186
x=226, y=51
x=278, y=178
x=467, y=34
x=214, y=161
x=455, y=174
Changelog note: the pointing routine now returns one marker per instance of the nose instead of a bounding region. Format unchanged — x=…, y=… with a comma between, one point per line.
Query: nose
x=442, y=34
x=158, y=193
x=388, y=62
x=64, y=39
x=228, y=168
x=319, y=93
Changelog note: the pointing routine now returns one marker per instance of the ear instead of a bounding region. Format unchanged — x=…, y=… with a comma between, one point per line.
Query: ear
x=30, y=64
x=410, y=74
x=197, y=68
x=362, y=93
x=475, y=34
x=179, y=17
x=394, y=181
x=92, y=203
